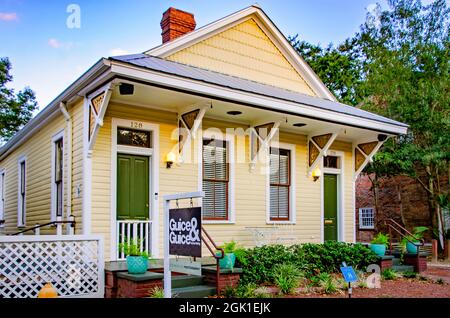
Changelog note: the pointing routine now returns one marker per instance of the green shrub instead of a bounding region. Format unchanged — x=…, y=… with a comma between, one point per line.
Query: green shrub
x=246, y=290
x=156, y=292
x=286, y=277
x=229, y=292
x=381, y=238
x=409, y=274
x=329, y=286
x=389, y=274
x=318, y=280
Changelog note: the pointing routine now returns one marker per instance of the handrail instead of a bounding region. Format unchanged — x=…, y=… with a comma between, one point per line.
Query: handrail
x=38, y=226
x=214, y=254
x=408, y=233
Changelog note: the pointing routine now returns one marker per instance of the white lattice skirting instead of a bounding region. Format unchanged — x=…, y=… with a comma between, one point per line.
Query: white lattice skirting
x=72, y=263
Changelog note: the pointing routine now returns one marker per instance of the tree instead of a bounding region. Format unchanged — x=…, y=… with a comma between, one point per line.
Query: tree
x=340, y=68
x=15, y=109
x=406, y=69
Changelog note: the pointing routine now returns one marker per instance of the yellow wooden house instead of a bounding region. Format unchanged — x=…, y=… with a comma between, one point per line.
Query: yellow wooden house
x=229, y=108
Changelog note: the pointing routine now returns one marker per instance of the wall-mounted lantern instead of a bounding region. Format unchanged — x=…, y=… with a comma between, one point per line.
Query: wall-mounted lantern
x=170, y=159
x=316, y=174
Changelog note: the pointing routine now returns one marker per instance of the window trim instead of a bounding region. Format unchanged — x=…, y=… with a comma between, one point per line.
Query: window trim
x=58, y=136
x=292, y=192
x=21, y=201
x=2, y=196
x=230, y=141
x=363, y=227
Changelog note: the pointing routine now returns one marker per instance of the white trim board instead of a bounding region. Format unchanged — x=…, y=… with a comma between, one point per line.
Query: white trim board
x=2, y=195
x=216, y=91
x=153, y=154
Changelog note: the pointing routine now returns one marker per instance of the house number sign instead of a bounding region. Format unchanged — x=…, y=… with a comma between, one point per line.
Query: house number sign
x=136, y=124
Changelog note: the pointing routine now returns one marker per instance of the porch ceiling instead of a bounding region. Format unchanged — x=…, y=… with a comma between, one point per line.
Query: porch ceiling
x=174, y=101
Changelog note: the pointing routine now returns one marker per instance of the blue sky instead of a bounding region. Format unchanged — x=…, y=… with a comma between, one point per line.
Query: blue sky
x=48, y=56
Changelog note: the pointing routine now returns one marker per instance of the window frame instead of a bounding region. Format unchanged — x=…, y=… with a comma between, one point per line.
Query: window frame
x=2, y=196
x=22, y=196
x=230, y=142
x=54, y=188
x=292, y=185
x=365, y=227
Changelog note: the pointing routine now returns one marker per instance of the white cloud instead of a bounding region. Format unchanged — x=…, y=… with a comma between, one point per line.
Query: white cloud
x=118, y=51
x=56, y=44
x=8, y=16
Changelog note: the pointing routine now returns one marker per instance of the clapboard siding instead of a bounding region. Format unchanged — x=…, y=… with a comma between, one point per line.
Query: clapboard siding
x=245, y=51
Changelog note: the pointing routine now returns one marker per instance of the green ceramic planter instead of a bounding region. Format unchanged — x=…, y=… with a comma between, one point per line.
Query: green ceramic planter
x=137, y=264
x=379, y=249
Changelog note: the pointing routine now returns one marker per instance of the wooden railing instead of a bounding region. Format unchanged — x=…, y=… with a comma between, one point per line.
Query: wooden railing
x=134, y=231
x=58, y=224
x=404, y=234
x=213, y=250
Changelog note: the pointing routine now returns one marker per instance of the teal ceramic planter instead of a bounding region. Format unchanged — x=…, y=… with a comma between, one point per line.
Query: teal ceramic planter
x=228, y=261
x=137, y=264
x=379, y=249
x=411, y=248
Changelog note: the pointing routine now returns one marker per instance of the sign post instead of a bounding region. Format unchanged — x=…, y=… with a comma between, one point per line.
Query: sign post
x=185, y=222
x=349, y=276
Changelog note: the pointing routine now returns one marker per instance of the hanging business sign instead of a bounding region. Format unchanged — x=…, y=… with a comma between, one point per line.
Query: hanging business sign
x=185, y=232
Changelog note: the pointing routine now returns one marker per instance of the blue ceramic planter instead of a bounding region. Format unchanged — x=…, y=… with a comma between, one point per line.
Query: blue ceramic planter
x=137, y=264
x=228, y=261
x=379, y=249
x=411, y=248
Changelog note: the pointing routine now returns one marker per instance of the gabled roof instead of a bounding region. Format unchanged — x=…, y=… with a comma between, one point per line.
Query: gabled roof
x=236, y=83
x=270, y=29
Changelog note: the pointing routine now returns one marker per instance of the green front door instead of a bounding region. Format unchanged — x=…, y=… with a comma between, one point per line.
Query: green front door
x=330, y=207
x=132, y=187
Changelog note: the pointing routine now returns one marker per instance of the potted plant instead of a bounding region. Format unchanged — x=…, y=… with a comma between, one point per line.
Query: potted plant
x=229, y=258
x=137, y=261
x=409, y=241
x=379, y=243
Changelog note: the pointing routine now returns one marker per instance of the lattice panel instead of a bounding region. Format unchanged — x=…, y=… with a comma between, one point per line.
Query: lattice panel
x=97, y=102
x=71, y=266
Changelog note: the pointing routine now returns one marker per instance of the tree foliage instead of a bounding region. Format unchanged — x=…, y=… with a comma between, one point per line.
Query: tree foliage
x=15, y=109
x=397, y=65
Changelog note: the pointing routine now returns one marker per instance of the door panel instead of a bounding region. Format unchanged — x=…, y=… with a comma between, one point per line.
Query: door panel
x=330, y=207
x=132, y=187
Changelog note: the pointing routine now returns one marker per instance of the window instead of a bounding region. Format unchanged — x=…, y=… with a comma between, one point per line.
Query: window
x=215, y=180
x=132, y=137
x=280, y=184
x=2, y=197
x=21, y=217
x=367, y=218
x=331, y=162
x=58, y=168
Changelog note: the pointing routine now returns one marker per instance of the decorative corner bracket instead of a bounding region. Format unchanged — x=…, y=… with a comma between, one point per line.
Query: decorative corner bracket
x=260, y=138
x=318, y=146
x=363, y=154
x=189, y=121
x=98, y=103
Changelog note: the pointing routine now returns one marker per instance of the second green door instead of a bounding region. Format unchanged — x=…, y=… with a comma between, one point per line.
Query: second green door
x=330, y=207
x=132, y=187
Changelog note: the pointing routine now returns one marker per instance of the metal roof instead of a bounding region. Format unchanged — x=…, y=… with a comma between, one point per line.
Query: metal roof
x=233, y=82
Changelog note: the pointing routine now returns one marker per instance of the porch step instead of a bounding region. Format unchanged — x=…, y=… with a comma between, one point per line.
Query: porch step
x=186, y=281
x=199, y=291
x=396, y=261
x=403, y=268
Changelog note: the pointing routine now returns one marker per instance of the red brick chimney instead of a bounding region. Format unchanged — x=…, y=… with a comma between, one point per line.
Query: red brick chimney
x=175, y=23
